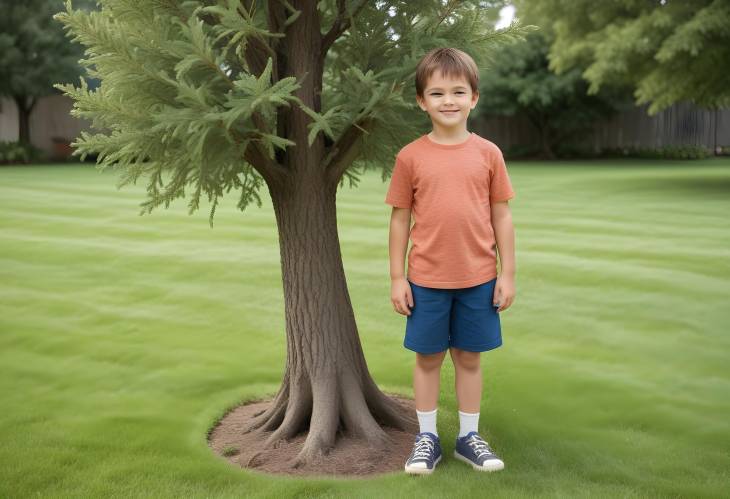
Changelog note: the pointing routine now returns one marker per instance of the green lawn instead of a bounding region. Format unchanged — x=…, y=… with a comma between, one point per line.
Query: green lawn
x=122, y=338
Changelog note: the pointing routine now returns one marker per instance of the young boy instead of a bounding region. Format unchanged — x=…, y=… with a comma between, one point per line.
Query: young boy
x=455, y=184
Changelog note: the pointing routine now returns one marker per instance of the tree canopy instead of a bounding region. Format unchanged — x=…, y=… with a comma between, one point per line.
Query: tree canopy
x=196, y=92
x=34, y=54
x=557, y=105
x=666, y=50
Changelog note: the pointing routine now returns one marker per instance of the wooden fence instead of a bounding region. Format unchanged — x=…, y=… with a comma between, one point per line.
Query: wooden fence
x=680, y=124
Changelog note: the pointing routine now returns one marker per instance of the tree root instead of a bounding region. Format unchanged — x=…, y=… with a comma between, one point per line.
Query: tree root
x=347, y=402
x=356, y=414
x=324, y=422
x=298, y=408
x=271, y=417
x=386, y=410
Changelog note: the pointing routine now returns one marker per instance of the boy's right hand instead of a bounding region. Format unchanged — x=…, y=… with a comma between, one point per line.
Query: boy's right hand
x=401, y=296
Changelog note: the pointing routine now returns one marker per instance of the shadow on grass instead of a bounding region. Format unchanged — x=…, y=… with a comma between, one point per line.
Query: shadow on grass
x=704, y=186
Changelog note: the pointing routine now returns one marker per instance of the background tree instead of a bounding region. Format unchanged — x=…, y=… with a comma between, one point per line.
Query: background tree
x=235, y=94
x=34, y=54
x=667, y=51
x=557, y=106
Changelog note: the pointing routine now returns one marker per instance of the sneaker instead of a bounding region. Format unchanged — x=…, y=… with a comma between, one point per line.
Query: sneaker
x=472, y=449
x=425, y=456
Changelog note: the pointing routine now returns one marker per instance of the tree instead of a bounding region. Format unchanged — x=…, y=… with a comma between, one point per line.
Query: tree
x=557, y=106
x=34, y=54
x=231, y=94
x=668, y=51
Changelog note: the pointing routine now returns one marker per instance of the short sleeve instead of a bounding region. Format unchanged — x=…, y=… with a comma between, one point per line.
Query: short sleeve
x=500, y=187
x=400, y=192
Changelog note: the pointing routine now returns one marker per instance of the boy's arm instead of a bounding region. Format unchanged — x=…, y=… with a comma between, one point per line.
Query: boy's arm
x=504, y=233
x=400, y=228
x=400, y=290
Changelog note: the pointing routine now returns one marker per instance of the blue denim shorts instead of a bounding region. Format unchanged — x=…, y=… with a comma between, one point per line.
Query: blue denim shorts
x=463, y=318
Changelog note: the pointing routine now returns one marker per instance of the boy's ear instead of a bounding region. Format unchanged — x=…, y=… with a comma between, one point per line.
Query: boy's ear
x=419, y=101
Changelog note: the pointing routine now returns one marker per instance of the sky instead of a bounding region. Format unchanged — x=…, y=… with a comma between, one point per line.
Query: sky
x=505, y=16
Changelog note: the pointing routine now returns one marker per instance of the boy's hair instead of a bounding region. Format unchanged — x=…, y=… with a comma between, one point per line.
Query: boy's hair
x=451, y=62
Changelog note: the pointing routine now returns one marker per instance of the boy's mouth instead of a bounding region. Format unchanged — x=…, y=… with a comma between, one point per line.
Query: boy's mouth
x=454, y=111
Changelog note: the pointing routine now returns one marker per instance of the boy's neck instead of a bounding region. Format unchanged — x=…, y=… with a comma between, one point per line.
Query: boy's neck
x=449, y=135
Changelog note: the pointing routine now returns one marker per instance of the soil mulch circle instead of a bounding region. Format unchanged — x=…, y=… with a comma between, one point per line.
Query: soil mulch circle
x=351, y=456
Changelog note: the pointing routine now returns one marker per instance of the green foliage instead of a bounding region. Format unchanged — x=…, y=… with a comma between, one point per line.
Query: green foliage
x=668, y=52
x=558, y=106
x=576, y=150
x=667, y=152
x=519, y=151
x=34, y=52
x=179, y=104
x=18, y=152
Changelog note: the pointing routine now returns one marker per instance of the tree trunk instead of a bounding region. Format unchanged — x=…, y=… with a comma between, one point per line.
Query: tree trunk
x=326, y=386
x=24, y=111
x=547, y=149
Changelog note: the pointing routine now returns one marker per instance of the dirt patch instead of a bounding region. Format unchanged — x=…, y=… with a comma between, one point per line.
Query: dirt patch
x=351, y=456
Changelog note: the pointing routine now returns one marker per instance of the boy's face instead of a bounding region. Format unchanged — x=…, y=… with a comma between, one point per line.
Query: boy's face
x=447, y=101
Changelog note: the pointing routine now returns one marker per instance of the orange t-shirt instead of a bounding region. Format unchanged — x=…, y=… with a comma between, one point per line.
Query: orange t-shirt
x=449, y=188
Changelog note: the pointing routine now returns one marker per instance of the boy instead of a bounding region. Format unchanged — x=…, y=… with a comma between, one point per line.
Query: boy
x=456, y=184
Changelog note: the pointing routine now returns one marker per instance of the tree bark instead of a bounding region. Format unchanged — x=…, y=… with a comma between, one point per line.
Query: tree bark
x=547, y=149
x=327, y=387
x=24, y=110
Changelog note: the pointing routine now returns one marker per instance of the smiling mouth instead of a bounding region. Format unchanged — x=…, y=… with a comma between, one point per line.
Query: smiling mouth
x=450, y=112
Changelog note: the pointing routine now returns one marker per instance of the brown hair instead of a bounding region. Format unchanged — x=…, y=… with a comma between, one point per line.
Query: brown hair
x=451, y=62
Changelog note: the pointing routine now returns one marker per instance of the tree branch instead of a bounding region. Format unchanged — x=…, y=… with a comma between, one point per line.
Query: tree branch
x=258, y=50
x=271, y=171
x=448, y=9
x=342, y=22
x=345, y=150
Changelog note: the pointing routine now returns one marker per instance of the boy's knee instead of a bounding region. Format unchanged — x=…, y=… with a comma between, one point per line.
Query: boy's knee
x=464, y=359
x=429, y=362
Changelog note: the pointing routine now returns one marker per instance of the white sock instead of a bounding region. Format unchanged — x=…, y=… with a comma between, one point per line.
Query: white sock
x=427, y=421
x=468, y=422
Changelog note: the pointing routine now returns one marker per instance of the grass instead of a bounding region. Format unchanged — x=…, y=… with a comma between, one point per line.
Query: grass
x=122, y=338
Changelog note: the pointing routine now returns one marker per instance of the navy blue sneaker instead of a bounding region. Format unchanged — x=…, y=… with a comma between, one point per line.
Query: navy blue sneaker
x=472, y=449
x=426, y=454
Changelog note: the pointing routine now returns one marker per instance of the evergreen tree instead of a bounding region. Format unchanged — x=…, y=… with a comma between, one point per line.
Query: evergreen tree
x=666, y=50
x=296, y=94
x=34, y=54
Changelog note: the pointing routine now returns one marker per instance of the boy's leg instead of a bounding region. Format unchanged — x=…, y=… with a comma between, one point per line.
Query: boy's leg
x=475, y=328
x=426, y=452
x=427, y=334
x=468, y=373
x=426, y=379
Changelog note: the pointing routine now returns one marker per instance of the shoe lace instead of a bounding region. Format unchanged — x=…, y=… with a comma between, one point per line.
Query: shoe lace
x=424, y=448
x=479, y=446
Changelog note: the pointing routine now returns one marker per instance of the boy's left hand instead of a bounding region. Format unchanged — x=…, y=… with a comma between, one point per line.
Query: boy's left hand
x=504, y=292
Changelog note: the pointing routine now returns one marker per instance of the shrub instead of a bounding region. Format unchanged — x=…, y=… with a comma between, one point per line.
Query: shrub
x=521, y=151
x=667, y=152
x=18, y=152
